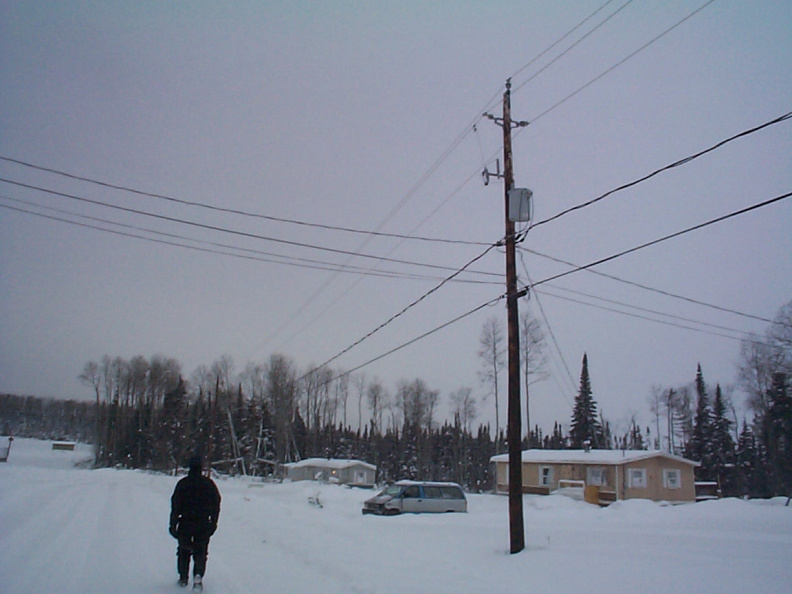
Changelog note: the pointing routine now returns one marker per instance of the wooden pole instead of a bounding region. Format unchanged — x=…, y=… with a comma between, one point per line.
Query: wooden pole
x=513, y=427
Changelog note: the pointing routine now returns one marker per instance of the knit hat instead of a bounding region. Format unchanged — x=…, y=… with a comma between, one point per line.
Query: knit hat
x=196, y=462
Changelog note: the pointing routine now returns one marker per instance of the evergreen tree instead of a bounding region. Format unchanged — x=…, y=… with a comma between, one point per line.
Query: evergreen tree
x=723, y=468
x=700, y=447
x=778, y=435
x=585, y=425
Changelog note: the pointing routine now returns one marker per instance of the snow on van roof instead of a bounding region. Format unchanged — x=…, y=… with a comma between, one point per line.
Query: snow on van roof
x=606, y=457
x=404, y=482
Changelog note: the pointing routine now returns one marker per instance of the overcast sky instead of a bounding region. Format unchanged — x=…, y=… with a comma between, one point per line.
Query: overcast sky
x=361, y=115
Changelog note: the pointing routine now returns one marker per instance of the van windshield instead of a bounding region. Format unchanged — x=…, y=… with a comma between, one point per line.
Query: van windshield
x=393, y=491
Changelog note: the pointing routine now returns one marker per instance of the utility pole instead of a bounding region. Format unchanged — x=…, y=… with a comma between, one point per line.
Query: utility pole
x=513, y=427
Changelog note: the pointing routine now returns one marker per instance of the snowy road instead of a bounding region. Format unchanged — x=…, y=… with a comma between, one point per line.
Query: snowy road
x=74, y=531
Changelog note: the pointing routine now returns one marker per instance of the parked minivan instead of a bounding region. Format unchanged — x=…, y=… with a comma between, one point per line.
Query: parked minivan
x=417, y=497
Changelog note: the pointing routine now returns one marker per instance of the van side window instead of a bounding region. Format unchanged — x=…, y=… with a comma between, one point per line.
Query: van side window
x=452, y=493
x=433, y=493
x=412, y=491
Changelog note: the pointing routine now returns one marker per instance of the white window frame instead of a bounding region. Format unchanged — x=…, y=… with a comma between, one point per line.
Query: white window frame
x=545, y=479
x=636, y=478
x=597, y=476
x=668, y=482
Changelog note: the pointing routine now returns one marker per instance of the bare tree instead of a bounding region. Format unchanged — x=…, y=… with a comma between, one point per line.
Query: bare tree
x=253, y=381
x=222, y=372
x=378, y=401
x=492, y=354
x=91, y=376
x=282, y=395
x=341, y=395
x=656, y=399
x=360, y=382
x=532, y=358
x=464, y=407
x=201, y=379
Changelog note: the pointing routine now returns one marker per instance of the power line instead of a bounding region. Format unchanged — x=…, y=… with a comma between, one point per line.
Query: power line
x=664, y=322
x=577, y=269
x=403, y=311
x=646, y=287
x=615, y=66
x=237, y=211
x=667, y=237
x=578, y=42
x=560, y=39
x=673, y=165
x=643, y=309
x=223, y=229
x=552, y=334
x=283, y=259
x=351, y=287
x=414, y=340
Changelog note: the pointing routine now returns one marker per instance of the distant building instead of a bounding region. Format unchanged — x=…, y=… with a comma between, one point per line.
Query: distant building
x=344, y=472
x=612, y=474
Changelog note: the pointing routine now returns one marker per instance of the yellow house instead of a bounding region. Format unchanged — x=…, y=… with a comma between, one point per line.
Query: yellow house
x=613, y=474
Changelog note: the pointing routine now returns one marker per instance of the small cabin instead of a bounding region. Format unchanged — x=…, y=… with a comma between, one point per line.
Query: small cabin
x=355, y=473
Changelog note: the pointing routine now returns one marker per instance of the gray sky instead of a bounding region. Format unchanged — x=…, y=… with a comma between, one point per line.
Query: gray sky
x=360, y=115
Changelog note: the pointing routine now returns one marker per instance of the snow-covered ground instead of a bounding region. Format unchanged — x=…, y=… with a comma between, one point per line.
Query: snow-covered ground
x=69, y=530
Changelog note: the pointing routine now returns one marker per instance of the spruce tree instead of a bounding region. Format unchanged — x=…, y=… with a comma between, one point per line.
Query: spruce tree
x=700, y=446
x=585, y=426
x=778, y=435
x=722, y=447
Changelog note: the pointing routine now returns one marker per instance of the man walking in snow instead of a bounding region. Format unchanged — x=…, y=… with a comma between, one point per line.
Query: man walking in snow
x=195, y=507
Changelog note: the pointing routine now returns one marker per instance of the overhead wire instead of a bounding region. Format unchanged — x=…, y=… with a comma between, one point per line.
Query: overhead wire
x=736, y=213
x=560, y=39
x=619, y=63
x=645, y=287
x=234, y=210
x=579, y=269
x=281, y=258
x=741, y=333
x=472, y=126
x=675, y=164
x=578, y=42
x=403, y=311
x=221, y=229
x=414, y=340
x=549, y=328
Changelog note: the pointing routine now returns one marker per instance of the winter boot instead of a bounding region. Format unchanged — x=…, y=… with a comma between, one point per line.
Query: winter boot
x=197, y=584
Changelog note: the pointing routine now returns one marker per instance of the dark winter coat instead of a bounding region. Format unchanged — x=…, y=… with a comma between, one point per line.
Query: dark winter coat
x=195, y=506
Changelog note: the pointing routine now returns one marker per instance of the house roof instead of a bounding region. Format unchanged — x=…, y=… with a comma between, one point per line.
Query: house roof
x=600, y=457
x=329, y=463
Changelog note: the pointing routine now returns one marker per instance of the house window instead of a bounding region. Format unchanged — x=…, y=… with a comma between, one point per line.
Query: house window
x=672, y=478
x=596, y=475
x=636, y=478
x=545, y=475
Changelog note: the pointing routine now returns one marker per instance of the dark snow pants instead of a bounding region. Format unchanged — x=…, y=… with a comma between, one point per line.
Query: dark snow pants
x=196, y=547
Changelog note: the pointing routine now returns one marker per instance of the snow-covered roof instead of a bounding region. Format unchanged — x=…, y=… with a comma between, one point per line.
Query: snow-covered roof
x=329, y=463
x=604, y=457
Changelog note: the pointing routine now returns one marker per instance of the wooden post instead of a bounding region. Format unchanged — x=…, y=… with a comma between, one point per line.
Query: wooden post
x=513, y=427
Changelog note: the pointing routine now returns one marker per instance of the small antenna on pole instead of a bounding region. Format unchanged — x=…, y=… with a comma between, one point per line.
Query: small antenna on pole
x=486, y=174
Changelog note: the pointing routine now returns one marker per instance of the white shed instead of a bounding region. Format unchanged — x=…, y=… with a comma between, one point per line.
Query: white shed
x=331, y=470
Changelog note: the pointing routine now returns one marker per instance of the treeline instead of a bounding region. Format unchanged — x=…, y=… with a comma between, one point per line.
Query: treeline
x=47, y=418
x=147, y=415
